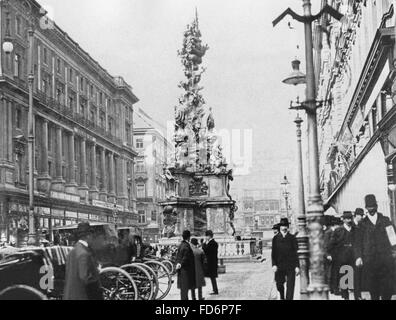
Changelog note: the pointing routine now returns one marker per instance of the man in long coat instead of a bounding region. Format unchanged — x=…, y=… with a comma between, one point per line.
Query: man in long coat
x=211, y=247
x=327, y=234
x=185, y=266
x=341, y=246
x=357, y=284
x=200, y=266
x=374, y=252
x=82, y=280
x=285, y=263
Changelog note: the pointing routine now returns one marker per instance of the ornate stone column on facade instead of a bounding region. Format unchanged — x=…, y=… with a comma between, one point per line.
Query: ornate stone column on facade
x=103, y=187
x=71, y=185
x=93, y=190
x=58, y=184
x=44, y=180
x=83, y=188
x=112, y=186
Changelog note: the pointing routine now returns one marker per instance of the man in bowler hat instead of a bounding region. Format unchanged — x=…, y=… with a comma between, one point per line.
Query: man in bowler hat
x=285, y=262
x=341, y=246
x=374, y=252
x=185, y=266
x=211, y=247
x=82, y=280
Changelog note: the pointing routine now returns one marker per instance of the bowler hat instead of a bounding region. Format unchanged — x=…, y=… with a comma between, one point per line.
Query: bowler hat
x=275, y=227
x=370, y=201
x=209, y=233
x=83, y=229
x=284, y=222
x=194, y=241
x=359, y=212
x=347, y=215
x=327, y=220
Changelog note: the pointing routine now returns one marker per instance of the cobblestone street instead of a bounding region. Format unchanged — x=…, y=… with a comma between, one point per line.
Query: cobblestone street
x=242, y=281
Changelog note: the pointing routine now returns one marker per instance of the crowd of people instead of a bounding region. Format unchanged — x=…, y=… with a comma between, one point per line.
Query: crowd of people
x=363, y=241
x=194, y=262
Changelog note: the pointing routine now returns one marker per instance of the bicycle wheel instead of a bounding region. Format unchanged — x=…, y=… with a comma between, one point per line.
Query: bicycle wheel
x=21, y=292
x=117, y=284
x=164, y=278
x=143, y=280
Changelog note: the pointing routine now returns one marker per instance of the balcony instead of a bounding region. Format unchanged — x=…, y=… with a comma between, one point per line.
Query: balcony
x=70, y=114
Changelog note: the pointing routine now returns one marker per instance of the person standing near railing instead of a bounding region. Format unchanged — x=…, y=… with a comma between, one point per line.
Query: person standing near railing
x=211, y=247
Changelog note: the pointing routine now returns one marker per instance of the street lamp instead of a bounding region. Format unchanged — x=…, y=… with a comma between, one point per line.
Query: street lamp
x=8, y=47
x=318, y=288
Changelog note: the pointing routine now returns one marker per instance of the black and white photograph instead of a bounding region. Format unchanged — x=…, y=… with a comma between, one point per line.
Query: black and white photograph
x=194, y=155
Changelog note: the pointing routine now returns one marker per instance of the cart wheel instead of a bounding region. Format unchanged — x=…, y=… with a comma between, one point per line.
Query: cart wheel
x=169, y=265
x=21, y=292
x=143, y=279
x=164, y=278
x=117, y=284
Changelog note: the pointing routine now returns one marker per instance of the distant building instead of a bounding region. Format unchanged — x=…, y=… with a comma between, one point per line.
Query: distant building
x=153, y=151
x=357, y=136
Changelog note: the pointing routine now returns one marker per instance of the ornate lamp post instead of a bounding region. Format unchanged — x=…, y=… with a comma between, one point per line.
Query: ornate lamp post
x=286, y=194
x=8, y=48
x=318, y=289
x=296, y=78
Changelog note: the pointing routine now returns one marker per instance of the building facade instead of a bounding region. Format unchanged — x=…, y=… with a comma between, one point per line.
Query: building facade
x=83, y=127
x=357, y=132
x=153, y=152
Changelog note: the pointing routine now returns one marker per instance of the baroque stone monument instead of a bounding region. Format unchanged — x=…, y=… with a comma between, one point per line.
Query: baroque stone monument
x=198, y=178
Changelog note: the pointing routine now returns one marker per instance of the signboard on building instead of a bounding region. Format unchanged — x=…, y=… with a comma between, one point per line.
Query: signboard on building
x=64, y=196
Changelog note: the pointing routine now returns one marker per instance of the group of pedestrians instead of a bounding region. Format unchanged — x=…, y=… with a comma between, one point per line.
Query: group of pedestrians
x=194, y=262
x=366, y=243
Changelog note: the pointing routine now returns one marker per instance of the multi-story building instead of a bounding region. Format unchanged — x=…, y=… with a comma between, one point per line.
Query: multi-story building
x=83, y=125
x=357, y=133
x=153, y=151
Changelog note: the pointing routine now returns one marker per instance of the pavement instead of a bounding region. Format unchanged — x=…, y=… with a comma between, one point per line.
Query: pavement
x=247, y=281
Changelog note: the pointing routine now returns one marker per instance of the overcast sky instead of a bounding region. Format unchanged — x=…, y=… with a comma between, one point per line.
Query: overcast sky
x=246, y=62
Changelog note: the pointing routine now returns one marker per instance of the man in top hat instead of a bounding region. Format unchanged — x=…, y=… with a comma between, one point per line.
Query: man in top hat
x=357, y=284
x=211, y=247
x=374, y=252
x=285, y=262
x=185, y=266
x=341, y=246
x=82, y=280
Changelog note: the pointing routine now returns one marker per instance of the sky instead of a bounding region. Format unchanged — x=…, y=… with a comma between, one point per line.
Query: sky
x=246, y=62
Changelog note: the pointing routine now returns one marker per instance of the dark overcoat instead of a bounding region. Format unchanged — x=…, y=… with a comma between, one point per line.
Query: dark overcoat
x=374, y=247
x=211, y=251
x=82, y=280
x=200, y=266
x=284, y=252
x=186, y=274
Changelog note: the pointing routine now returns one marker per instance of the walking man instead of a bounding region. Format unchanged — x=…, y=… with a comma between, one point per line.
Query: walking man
x=200, y=265
x=185, y=266
x=374, y=251
x=210, y=248
x=341, y=245
x=82, y=280
x=285, y=262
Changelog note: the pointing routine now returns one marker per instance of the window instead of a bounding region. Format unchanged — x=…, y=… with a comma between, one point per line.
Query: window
x=45, y=55
x=49, y=136
x=82, y=108
x=17, y=65
x=58, y=65
x=102, y=120
x=142, y=216
x=110, y=125
x=81, y=84
x=91, y=90
x=18, y=26
x=50, y=168
x=141, y=190
x=71, y=101
x=139, y=143
x=154, y=215
x=70, y=75
x=140, y=167
x=18, y=118
x=92, y=115
x=101, y=98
